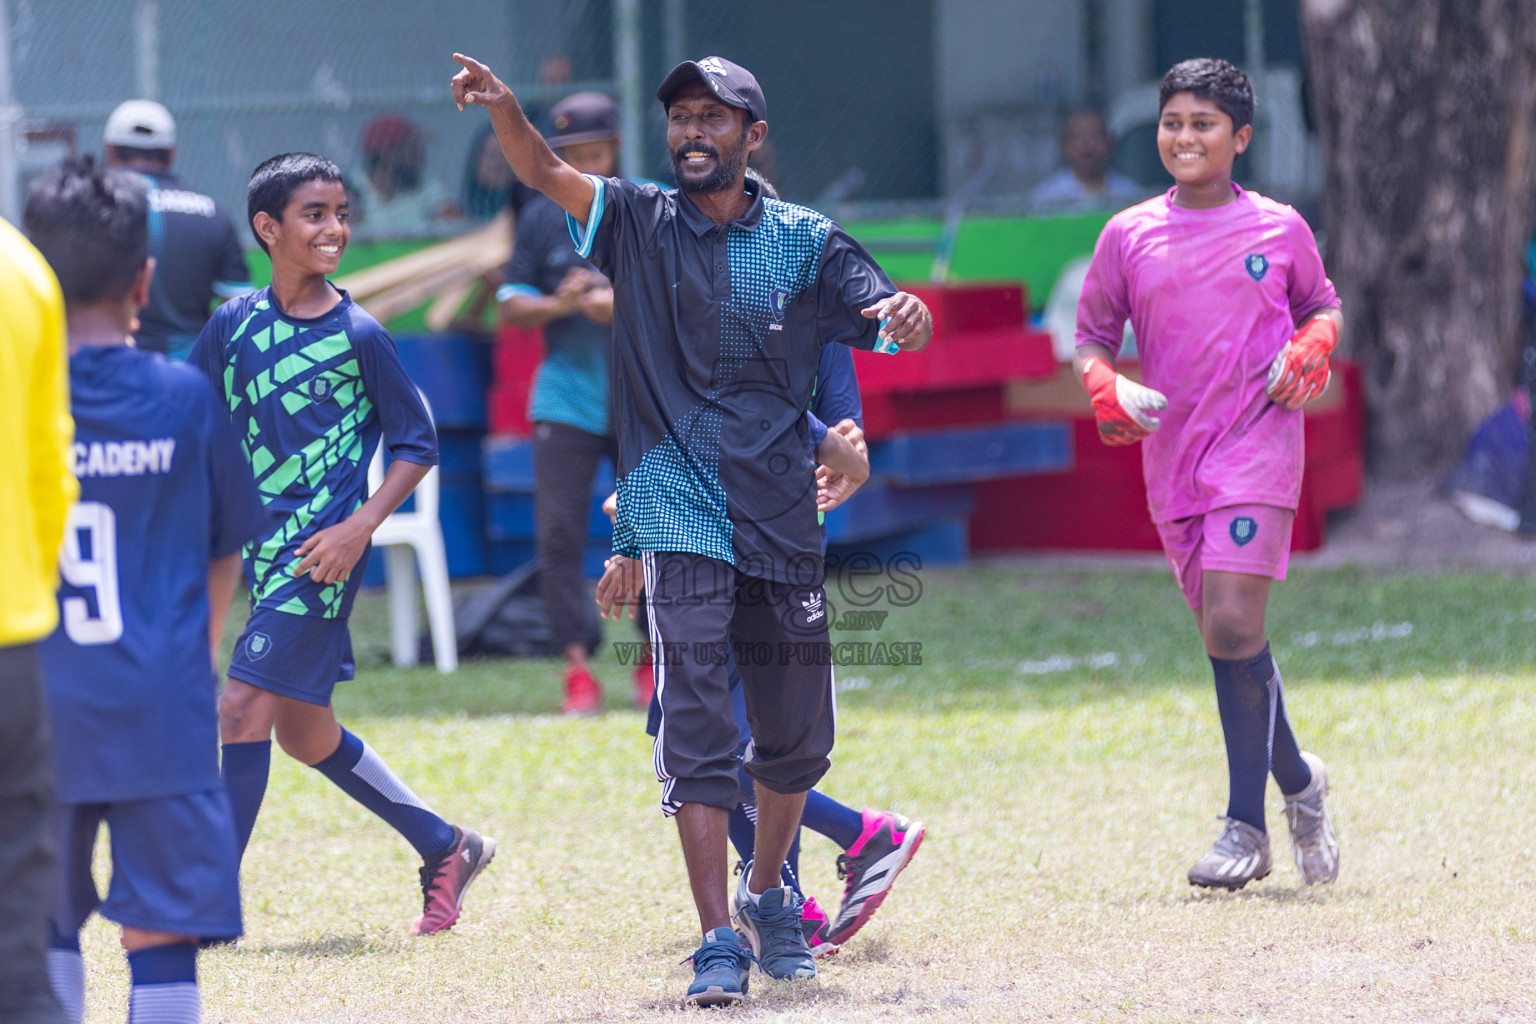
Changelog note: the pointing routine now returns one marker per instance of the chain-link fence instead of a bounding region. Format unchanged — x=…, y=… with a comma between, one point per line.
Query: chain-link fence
x=870, y=102
x=247, y=81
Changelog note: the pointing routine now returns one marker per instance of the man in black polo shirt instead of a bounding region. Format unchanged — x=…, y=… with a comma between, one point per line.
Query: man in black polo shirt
x=197, y=253
x=722, y=300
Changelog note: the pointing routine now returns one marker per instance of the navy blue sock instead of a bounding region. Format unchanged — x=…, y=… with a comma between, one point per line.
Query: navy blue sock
x=164, y=984
x=743, y=832
x=742, y=828
x=363, y=775
x=1291, y=773
x=1245, y=699
x=245, y=768
x=838, y=822
x=789, y=871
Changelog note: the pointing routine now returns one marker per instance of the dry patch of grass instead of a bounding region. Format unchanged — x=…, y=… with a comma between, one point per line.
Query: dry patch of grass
x=1063, y=809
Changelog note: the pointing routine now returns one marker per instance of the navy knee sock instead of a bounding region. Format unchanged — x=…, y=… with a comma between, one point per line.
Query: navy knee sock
x=1291, y=773
x=743, y=832
x=66, y=973
x=742, y=828
x=164, y=984
x=363, y=775
x=838, y=822
x=1245, y=699
x=245, y=768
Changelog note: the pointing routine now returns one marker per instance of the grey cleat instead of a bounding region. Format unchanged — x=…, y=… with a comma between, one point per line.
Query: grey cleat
x=1312, y=842
x=1240, y=856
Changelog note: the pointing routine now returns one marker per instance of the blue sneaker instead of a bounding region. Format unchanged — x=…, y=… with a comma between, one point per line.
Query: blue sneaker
x=772, y=928
x=720, y=969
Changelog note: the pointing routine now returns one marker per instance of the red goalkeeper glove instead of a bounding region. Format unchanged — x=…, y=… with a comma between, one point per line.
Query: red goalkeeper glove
x=1122, y=406
x=1300, y=372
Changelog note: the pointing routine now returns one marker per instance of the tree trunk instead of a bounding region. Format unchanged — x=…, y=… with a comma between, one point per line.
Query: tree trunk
x=1427, y=113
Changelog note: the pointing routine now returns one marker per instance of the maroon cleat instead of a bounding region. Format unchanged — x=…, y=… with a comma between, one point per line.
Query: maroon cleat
x=446, y=877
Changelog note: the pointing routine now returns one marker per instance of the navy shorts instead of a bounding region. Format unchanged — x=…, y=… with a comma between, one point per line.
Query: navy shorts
x=298, y=656
x=174, y=866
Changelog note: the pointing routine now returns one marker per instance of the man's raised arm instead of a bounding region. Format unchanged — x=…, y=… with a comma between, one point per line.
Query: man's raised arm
x=525, y=149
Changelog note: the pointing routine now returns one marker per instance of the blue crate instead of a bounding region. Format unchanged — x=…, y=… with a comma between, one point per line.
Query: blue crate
x=965, y=454
x=510, y=517
x=453, y=371
x=880, y=510
x=507, y=463
x=941, y=542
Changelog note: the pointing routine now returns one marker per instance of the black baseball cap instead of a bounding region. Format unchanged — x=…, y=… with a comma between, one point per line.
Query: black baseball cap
x=583, y=117
x=733, y=83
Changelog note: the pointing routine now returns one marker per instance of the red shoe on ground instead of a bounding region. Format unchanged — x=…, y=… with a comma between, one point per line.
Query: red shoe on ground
x=582, y=694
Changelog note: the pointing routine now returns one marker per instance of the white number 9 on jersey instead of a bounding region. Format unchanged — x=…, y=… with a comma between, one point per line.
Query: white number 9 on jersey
x=99, y=572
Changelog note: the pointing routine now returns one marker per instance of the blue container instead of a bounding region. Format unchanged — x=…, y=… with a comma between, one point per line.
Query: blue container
x=507, y=463
x=965, y=454
x=458, y=455
x=941, y=542
x=461, y=511
x=453, y=371
x=880, y=510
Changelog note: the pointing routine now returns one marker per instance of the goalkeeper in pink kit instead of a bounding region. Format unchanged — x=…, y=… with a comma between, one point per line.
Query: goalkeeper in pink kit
x=1235, y=319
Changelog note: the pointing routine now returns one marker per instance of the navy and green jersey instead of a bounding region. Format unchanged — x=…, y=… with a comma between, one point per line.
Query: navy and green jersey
x=309, y=400
x=571, y=386
x=163, y=491
x=717, y=332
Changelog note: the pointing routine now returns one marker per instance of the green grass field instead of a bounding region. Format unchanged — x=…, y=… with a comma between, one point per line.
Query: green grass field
x=1060, y=740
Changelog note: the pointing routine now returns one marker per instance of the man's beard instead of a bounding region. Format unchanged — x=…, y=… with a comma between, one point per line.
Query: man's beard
x=727, y=168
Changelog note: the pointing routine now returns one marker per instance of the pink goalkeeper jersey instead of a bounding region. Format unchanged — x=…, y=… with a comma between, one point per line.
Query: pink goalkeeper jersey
x=1213, y=295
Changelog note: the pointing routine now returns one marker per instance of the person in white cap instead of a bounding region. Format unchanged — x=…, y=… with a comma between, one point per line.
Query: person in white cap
x=198, y=255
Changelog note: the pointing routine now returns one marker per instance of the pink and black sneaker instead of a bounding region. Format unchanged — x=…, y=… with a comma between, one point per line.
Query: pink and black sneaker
x=445, y=878
x=813, y=921
x=870, y=867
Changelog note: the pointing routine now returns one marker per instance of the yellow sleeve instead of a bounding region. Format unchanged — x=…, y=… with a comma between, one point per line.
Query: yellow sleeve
x=51, y=432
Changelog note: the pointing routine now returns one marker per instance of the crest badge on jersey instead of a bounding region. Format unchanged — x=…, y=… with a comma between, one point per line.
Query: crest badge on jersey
x=1243, y=530
x=258, y=646
x=1257, y=265
x=779, y=300
x=319, y=389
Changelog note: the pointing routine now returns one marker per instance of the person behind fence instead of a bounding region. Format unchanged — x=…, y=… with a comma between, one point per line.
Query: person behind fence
x=1087, y=182
x=722, y=299
x=488, y=181
x=199, y=260
x=398, y=199
x=36, y=492
x=550, y=286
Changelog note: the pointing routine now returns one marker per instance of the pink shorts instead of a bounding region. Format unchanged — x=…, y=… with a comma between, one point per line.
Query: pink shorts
x=1251, y=539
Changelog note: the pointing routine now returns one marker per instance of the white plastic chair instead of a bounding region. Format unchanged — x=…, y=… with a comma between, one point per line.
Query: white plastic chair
x=416, y=537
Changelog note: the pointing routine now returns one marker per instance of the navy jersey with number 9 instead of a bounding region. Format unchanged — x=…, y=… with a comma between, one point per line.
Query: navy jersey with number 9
x=164, y=490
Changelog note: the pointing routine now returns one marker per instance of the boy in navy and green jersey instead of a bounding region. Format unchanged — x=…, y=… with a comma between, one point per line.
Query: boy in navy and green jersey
x=312, y=384
x=150, y=561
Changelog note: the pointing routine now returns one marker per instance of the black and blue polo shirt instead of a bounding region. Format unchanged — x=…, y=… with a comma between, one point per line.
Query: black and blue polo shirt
x=717, y=331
